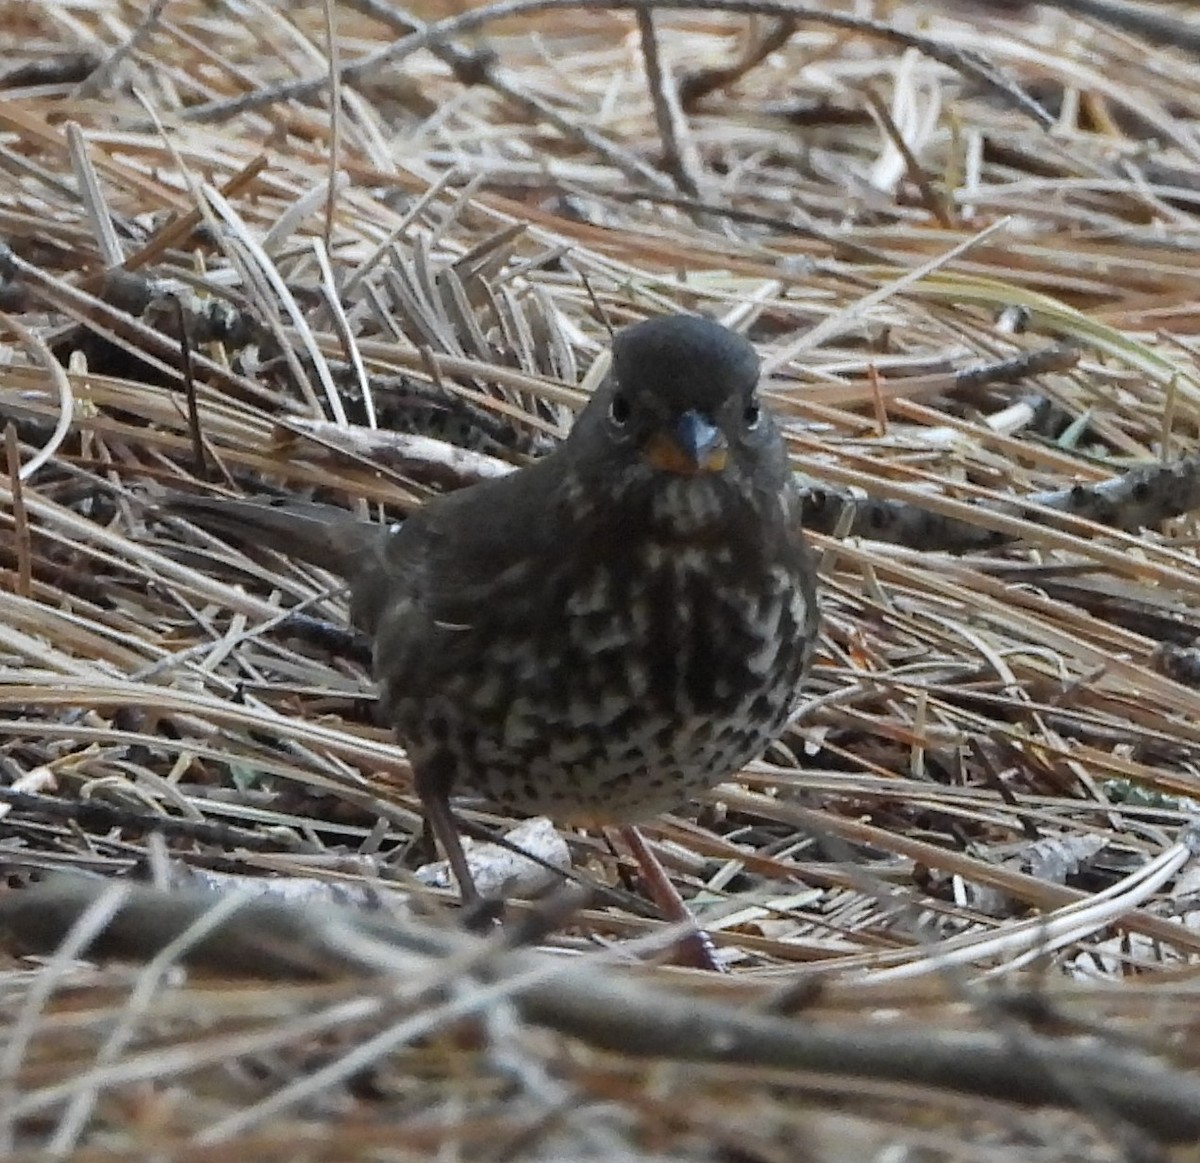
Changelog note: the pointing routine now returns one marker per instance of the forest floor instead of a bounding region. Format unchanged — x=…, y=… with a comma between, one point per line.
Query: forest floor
x=957, y=905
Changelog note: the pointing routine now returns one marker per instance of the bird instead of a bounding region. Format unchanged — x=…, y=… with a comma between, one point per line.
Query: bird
x=603, y=633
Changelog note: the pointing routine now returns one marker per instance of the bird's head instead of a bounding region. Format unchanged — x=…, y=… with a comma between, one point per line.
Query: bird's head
x=679, y=415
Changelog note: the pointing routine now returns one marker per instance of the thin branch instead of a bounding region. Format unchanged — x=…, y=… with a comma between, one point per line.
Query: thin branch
x=266, y=938
x=968, y=63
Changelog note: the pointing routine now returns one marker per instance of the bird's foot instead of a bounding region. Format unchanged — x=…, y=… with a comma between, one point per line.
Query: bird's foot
x=694, y=951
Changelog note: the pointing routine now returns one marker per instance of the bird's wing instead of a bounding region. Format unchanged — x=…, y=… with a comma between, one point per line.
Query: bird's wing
x=425, y=590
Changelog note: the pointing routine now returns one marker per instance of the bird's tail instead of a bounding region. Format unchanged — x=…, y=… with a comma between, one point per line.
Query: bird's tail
x=322, y=535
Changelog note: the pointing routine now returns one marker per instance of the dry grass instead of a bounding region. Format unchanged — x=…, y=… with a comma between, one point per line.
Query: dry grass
x=989, y=793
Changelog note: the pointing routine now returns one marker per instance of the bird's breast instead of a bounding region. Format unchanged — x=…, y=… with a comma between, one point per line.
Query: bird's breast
x=618, y=685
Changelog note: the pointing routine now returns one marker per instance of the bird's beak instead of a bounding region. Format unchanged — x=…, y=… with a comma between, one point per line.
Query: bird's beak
x=691, y=446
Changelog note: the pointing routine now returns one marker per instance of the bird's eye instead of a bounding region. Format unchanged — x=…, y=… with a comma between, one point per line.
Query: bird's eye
x=752, y=415
x=618, y=410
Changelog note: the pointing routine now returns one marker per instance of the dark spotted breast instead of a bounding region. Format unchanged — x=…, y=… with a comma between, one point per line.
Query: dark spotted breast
x=617, y=686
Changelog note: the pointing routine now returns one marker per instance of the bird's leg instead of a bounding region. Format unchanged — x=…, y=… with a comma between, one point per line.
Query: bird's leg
x=696, y=950
x=436, y=802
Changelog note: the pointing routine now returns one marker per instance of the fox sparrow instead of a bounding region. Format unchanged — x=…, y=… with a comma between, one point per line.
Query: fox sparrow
x=603, y=633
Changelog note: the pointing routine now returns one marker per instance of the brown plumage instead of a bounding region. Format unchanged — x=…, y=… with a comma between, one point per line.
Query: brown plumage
x=605, y=632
